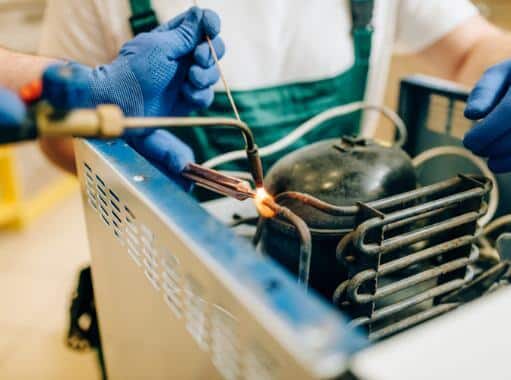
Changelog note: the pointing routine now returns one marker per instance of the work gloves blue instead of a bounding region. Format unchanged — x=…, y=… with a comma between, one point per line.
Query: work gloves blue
x=12, y=110
x=490, y=102
x=162, y=148
x=167, y=72
x=13, y=120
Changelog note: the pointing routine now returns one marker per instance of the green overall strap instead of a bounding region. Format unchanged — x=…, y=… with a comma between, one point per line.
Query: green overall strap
x=143, y=18
x=362, y=28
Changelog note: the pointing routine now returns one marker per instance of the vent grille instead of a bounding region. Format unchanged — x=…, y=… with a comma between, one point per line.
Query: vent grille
x=103, y=200
x=212, y=327
x=150, y=254
x=259, y=365
x=224, y=343
x=195, y=309
x=137, y=238
x=116, y=215
x=171, y=284
x=132, y=239
x=90, y=187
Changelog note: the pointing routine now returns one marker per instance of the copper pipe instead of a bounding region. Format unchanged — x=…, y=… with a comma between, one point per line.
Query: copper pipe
x=303, y=233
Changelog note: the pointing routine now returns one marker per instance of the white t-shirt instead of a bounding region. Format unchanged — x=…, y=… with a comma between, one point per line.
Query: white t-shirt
x=268, y=42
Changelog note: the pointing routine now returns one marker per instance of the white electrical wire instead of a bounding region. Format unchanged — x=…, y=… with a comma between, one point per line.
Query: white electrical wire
x=309, y=125
x=481, y=165
x=221, y=72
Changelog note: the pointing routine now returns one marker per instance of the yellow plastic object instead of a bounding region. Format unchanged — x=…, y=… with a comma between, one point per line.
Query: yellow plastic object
x=20, y=200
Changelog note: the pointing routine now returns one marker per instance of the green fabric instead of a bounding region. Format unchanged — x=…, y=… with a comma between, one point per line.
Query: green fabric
x=143, y=18
x=273, y=113
x=140, y=6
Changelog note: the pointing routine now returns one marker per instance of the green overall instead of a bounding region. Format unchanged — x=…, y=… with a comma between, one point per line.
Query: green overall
x=274, y=112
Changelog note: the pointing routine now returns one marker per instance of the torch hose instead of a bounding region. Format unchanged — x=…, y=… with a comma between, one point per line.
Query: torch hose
x=151, y=122
x=251, y=149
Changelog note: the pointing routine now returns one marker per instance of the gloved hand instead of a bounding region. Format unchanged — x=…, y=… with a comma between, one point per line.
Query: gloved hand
x=13, y=120
x=12, y=109
x=168, y=71
x=490, y=101
x=166, y=152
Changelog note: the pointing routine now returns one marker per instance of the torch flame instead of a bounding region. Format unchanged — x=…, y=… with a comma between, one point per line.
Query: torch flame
x=260, y=198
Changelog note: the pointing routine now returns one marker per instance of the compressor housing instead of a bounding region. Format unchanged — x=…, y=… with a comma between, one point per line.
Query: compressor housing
x=387, y=252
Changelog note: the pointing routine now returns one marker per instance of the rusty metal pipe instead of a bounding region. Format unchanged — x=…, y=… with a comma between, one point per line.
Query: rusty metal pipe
x=424, y=254
x=360, y=278
x=403, y=198
x=395, y=308
x=409, y=238
x=412, y=321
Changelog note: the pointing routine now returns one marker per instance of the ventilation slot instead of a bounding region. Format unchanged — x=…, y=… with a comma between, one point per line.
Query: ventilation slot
x=195, y=311
x=171, y=284
x=129, y=212
x=150, y=256
x=90, y=187
x=116, y=216
x=224, y=343
x=259, y=365
x=133, y=243
x=103, y=203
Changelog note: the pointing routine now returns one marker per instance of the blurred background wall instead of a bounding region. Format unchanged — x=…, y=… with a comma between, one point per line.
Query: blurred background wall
x=20, y=22
x=28, y=182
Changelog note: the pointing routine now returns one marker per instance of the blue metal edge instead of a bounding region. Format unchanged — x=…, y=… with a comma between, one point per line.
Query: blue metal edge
x=275, y=287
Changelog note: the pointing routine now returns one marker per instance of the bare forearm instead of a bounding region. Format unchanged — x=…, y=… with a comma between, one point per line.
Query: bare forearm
x=467, y=51
x=18, y=69
x=60, y=151
x=485, y=53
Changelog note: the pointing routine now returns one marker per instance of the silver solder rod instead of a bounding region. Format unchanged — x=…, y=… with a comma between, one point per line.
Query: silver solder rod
x=222, y=76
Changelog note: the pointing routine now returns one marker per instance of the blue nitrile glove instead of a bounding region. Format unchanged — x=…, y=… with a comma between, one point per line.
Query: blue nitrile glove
x=490, y=100
x=168, y=71
x=14, y=125
x=166, y=152
x=12, y=108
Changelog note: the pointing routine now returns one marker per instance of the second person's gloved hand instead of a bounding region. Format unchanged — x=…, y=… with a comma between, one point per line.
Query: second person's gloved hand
x=490, y=100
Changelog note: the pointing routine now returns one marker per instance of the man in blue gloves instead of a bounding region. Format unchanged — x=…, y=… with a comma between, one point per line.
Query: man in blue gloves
x=490, y=100
x=168, y=71
x=288, y=63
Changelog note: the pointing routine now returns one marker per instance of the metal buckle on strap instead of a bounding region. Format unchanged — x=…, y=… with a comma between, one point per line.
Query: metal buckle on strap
x=143, y=22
